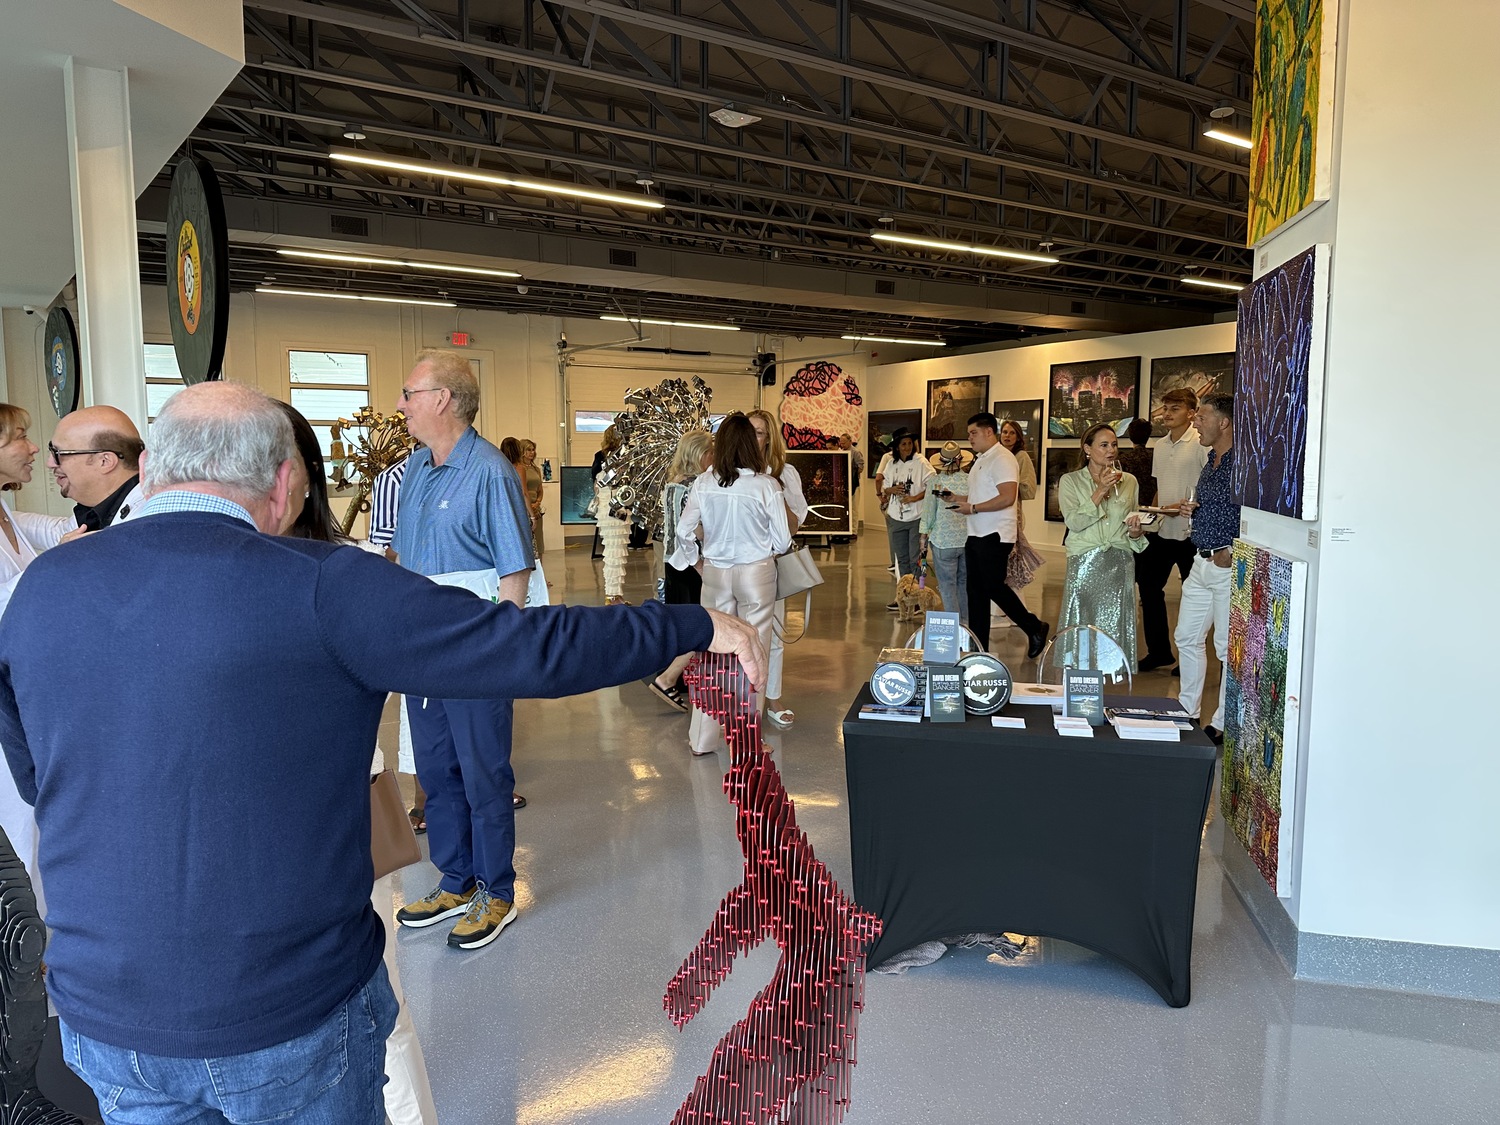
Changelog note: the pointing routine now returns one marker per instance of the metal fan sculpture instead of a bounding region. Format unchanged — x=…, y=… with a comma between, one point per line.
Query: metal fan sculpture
x=376, y=443
x=636, y=472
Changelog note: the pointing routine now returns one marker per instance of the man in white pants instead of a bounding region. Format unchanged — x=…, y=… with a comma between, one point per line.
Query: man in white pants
x=1205, y=594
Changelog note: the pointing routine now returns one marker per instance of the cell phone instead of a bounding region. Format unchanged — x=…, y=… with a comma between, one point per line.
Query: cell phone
x=943, y=492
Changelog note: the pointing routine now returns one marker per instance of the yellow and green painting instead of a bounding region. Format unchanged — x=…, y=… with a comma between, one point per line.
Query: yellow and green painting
x=1287, y=171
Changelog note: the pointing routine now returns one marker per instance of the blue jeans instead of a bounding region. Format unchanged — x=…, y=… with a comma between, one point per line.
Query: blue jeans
x=333, y=1075
x=462, y=748
x=953, y=579
x=903, y=535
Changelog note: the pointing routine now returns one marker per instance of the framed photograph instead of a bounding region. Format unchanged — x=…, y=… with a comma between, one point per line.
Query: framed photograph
x=1202, y=374
x=1026, y=413
x=1085, y=394
x=577, y=490
x=825, y=483
x=1060, y=462
x=950, y=405
x=881, y=425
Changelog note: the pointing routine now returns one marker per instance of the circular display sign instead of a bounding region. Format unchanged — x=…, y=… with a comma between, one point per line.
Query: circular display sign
x=197, y=270
x=62, y=361
x=987, y=683
x=893, y=685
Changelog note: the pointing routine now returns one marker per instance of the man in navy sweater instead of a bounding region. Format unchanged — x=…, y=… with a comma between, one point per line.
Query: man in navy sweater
x=205, y=820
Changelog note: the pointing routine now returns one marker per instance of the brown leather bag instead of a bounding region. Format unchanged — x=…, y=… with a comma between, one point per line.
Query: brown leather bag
x=393, y=844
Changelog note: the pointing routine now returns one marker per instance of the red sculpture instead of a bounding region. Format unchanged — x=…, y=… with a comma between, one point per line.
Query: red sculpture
x=789, y=1058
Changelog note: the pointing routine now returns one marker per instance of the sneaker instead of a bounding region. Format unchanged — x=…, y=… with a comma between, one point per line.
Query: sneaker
x=431, y=909
x=893, y=607
x=482, y=921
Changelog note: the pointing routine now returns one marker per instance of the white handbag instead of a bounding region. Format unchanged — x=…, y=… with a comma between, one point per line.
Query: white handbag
x=796, y=573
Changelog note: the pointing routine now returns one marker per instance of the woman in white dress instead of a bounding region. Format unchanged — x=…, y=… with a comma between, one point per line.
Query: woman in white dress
x=768, y=437
x=23, y=536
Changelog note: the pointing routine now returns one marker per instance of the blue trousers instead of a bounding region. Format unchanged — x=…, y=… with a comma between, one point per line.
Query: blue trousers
x=331, y=1076
x=953, y=579
x=462, y=749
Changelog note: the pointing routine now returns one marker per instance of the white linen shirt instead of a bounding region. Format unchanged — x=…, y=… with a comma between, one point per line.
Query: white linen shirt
x=1176, y=465
x=744, y=523
x=791, y=480
x=992, y=468
x=917, y=470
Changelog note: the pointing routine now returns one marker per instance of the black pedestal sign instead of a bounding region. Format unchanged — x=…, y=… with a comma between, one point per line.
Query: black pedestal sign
x=198, y=270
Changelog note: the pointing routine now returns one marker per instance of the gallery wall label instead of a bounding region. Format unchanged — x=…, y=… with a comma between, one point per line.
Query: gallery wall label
x=198, y=270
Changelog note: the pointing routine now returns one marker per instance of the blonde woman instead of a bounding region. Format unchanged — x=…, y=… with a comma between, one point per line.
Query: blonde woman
x=680, y=585
x=532, y=479
x=768, y=437
x=744, y=522
x=1099, y=505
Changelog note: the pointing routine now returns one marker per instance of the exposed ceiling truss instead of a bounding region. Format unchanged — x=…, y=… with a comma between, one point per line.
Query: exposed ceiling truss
x=1068, y=124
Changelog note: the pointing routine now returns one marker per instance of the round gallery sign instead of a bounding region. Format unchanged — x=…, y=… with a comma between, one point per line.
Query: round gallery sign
x=987, y=683
x=893, y=685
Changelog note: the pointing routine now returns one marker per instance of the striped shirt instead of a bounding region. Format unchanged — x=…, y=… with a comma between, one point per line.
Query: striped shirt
x=385, y=496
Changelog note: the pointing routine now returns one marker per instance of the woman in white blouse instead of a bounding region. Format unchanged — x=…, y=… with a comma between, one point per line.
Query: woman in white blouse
x=23, y=536
x=743, y=516
x=903, y=489
x=768, y=437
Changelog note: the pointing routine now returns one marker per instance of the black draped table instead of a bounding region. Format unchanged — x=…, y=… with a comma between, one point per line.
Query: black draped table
x=969, y=828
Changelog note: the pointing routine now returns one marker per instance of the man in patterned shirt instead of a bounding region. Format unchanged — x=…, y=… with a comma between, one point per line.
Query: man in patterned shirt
x=1205, y=594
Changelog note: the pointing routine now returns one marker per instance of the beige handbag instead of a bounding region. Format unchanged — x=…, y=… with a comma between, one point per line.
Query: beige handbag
x=796, y=573
x=393, y=844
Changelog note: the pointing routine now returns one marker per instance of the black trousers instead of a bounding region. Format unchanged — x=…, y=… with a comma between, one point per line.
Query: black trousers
x=682, y=587
x=1153, y=567
x=987, y=559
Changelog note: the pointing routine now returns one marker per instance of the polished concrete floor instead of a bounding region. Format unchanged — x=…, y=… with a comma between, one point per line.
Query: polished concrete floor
x=628, y=846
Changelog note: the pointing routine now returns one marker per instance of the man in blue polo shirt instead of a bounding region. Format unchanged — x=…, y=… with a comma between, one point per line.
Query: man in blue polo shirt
x=1205, y=594
x=463, y=520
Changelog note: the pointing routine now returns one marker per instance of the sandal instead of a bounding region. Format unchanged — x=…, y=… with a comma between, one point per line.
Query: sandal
x=672, y=696
x=418, y=820
x=517, y=801
x=784, y=717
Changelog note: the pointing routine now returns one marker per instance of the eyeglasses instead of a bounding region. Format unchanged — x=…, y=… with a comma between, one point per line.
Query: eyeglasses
x=406, y=393
x=58, y=454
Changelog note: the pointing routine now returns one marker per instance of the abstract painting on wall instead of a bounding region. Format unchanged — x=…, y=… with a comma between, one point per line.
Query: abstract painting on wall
x=821, y=402
x=1278, y=401
x=1291, y=129
x=1204, y=375
x=1262, y=704
x=1084, y=394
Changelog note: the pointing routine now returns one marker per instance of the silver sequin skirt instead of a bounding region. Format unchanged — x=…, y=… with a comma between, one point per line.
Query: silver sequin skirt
x=1099, y=591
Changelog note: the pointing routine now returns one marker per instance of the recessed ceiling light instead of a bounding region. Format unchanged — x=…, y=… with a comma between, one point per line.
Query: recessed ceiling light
x=731, y=118
x=1221, y=111
x=897, y=340
x=670, y=323
x=353, y=133
x=963, y=248
x=886, y=220
x=1211, y=283
x=1213, y=132
x=355, y=297
x=405, y=263
x=515, y=183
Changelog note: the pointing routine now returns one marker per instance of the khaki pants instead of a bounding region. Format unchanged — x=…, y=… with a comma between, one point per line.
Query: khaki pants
x=748, y=591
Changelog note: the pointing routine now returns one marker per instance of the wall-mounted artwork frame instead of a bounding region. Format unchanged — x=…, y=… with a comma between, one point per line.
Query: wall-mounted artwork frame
x=1084, y=394
x=826, y=485
x=1060, y=462
x=1204, y=375
x=879, y=426
x=1026, y=413
x=951, y=403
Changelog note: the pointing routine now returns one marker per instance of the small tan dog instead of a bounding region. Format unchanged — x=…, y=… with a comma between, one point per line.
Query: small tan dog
x=913, y=600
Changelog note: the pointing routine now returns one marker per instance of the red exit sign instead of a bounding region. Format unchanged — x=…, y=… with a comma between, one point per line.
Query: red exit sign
x=459, y=339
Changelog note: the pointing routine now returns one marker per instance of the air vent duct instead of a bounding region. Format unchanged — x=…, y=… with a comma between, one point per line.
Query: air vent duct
x=350, y=226
x=885, y=288
x=618, y=257
x=1080, y=307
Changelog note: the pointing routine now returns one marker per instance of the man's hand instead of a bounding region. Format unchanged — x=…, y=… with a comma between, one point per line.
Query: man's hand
x=1224, y=559
x=731, y=635
x=76, y=533
x=965, y=508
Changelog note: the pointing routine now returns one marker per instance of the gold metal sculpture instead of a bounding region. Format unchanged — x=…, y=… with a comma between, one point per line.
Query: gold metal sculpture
x=374, y=443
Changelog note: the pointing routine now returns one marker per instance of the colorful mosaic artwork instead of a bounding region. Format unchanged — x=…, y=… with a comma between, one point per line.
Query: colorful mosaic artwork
x=1278, y=399
x=789, y=1059
x=821, y=402
x=1262, y=703
x=1291, y=111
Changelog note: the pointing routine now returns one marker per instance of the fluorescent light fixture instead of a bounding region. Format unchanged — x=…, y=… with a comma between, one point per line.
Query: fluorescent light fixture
x=454, y=172
x=355, y=297
x=963, y=248
x=731, y=118
x=1215, y=133
x=897, y=340
x=671, y=323
x=1211, y=283
x=361, y=260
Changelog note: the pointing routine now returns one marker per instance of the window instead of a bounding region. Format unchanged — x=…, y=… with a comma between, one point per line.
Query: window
x=327, y=386
x=593, y=421
x=163, y=380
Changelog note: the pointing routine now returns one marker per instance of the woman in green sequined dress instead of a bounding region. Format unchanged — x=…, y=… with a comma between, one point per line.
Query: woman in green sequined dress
x=1099, y=505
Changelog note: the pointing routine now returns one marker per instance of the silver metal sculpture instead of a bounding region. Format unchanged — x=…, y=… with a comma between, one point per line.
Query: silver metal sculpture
x=653, y=421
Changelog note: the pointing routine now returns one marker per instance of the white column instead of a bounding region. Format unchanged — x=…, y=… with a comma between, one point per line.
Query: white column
x=111, y=345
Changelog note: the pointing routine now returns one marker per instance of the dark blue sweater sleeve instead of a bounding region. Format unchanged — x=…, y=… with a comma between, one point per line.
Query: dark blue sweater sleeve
x=397, y=631
x=13, y=739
